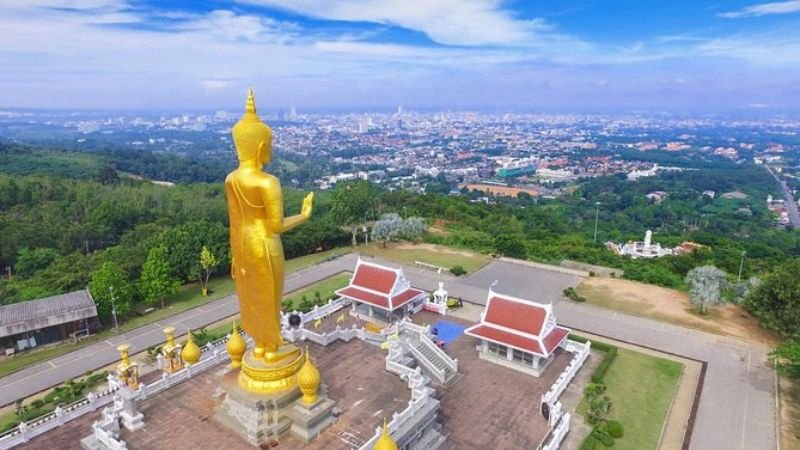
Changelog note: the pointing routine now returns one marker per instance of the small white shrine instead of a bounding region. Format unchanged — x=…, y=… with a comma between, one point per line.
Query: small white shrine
x=437, y=302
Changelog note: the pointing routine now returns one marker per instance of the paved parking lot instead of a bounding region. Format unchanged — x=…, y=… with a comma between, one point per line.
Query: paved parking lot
x=544, y=286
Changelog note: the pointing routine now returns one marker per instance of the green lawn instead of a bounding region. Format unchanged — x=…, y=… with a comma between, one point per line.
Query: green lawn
x=431, y=254
x=302, y=262
x=189, y=296
x=326, y=288
x=641, y=388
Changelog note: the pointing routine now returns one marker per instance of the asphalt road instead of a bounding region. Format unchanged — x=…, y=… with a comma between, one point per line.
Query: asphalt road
x=791, y=204
x=737, y=405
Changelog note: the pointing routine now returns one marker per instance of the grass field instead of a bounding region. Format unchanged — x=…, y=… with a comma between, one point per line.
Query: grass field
x=641, y=388
x=189, y=296
x=427, y=253
x=672, y=306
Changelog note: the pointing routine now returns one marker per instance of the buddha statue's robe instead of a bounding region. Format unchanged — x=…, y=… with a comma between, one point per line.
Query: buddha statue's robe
x=255, y=209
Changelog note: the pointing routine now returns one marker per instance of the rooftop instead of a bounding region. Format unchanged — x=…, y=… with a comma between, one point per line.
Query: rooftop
x=181, y=417
x=44, y=312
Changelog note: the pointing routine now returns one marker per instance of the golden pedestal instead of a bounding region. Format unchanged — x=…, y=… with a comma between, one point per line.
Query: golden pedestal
x=273, y=373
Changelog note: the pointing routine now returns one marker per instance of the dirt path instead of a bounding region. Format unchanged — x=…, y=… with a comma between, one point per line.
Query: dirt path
x=433, y=248
x=672, y=306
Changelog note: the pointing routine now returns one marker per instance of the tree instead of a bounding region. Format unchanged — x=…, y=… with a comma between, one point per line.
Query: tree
x=31, y=261
x=110, y=280
x=787, y=358
x=350, y=204
x=776, y=300
x=705, y=287
x=510, y=245
x=387, y=228
x=207, y=263
x=157, y=280
x=412, y=228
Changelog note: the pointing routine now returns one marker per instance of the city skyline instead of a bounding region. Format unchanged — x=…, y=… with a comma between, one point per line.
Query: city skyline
x=471, y=54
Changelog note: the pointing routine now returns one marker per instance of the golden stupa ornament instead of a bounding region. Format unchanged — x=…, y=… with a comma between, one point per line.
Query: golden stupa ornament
x=385, y=442
x=191, y=352
x=255, y=210
x=236, y=347
x=171, y=352
x=309, y=379
x=127, y=371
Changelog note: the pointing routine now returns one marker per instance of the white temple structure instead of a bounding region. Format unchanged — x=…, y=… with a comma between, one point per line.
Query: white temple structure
x=641, y=249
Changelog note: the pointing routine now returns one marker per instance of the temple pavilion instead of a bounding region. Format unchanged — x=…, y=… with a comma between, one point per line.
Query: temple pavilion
x=381, y=293
x=519, y=334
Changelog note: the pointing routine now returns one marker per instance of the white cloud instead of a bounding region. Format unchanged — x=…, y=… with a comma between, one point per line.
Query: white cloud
x=451, y=22
x=762, y=9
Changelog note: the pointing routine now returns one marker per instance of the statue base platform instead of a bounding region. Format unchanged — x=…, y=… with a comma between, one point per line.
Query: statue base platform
x=271, y=373
x=263, y=418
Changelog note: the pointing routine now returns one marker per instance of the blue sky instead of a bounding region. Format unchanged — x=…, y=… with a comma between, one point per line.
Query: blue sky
x=680, y=56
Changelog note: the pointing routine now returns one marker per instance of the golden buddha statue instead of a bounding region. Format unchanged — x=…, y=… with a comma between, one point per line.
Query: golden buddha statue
x=255, y=210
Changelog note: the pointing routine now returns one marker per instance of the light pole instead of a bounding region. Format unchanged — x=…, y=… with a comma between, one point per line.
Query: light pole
x=114, y=309
x=741, y=265
x=596, y=219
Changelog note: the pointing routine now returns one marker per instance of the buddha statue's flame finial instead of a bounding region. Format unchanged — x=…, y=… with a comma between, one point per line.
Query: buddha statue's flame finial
x=250, y=107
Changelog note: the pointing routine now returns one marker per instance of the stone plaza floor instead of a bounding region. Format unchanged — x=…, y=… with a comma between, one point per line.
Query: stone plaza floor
x=489, y=406
x=485, y=407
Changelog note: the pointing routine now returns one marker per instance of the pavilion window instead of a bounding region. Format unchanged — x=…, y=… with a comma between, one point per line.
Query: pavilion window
x=502, y=351
x=518, y=356
x=528, y=359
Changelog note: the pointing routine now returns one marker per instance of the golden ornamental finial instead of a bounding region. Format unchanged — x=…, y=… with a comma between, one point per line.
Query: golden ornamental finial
x=250, y=107
x=309, y=379
x=385, y=442
x=236, y=347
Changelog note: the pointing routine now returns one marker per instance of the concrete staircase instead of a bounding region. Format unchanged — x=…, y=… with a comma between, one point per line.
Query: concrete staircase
x=433, y=360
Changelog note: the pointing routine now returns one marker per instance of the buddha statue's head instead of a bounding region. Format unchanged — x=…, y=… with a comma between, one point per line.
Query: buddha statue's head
x=251, y=136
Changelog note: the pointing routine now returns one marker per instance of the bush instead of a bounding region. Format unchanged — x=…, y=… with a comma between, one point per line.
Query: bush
x=458, y=271
x=603, y=437
x=571, y=294
x=615, y=429
x=37, y=403
x=590, y=443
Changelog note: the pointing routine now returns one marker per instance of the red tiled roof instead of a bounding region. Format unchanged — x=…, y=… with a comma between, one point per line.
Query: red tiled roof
x=374, y=278
x=522, y=316
x=555, y=338
x=505, y=338
x=378, y=300
x=364, y=296
x=404, y=297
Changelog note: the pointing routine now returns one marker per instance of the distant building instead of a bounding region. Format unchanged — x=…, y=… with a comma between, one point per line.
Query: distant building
x=641, y=249
x=38, y=322
x=636, y=174
x=656, y=196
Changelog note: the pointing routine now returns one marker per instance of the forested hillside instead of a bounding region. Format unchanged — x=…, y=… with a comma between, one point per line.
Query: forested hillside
x=57, y=229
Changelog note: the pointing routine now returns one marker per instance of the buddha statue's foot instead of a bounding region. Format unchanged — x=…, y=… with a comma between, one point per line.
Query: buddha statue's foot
x=258, y=351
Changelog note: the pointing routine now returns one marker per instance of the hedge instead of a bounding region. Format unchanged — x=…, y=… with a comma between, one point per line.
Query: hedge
x=601, y=438
x=610, y=353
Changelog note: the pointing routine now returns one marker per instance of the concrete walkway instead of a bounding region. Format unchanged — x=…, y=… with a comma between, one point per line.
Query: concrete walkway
x=736, y=409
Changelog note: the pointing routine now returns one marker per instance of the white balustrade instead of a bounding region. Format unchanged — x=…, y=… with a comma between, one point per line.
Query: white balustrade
x=581, y=352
